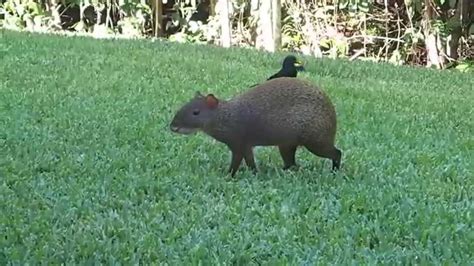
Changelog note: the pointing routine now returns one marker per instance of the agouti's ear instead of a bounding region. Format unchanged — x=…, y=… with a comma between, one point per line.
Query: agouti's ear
x=211, y=101
x=197, y=94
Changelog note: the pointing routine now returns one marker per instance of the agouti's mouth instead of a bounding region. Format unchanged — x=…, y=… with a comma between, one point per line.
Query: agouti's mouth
x=182, y=130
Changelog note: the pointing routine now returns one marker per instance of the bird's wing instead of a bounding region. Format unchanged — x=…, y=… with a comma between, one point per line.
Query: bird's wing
x=272, y=76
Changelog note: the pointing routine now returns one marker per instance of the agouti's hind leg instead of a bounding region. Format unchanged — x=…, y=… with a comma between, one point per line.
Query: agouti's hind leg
x=249, y=159
x=326, y=151
x=336, y=163
x=288, y=155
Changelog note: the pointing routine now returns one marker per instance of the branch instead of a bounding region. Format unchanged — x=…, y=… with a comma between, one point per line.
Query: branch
x=376, y=37
x=357, y=54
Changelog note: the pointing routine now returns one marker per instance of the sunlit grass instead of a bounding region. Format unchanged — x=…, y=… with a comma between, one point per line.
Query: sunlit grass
x=89, y=170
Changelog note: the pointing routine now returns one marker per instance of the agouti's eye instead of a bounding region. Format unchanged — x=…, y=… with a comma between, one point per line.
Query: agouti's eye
x=196, y=112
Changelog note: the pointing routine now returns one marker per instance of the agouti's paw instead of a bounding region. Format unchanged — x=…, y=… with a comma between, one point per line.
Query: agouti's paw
x=291, y=167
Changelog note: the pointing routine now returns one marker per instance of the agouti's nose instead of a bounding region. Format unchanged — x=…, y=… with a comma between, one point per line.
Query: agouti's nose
x=174, y=128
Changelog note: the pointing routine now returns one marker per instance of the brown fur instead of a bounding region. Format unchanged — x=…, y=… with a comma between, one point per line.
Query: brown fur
x=283, y=112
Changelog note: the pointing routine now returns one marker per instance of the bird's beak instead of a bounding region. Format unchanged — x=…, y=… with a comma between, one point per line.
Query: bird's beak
x=299, y=66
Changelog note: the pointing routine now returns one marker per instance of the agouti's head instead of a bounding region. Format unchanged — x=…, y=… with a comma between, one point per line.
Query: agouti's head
x=195, y=114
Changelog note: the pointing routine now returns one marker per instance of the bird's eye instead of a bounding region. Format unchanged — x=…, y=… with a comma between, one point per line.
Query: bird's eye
x=196, y=112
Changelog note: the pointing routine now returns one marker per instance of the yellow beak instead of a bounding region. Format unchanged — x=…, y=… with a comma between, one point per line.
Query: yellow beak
x=298, y=64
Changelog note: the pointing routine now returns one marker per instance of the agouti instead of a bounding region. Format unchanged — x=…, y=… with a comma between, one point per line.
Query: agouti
x=284, y=112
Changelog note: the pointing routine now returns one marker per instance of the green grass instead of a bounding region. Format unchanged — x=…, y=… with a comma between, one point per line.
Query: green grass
x=89, y=170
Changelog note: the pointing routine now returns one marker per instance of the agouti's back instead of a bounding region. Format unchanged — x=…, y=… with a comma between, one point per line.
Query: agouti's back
x=282, y=110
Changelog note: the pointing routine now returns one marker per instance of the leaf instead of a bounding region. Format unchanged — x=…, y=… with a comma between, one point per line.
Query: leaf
x=35, y=8
x=20, y=10
x=325, y=43
x=342, y=4
x=396, y=58
x=465, y=67
x=38, y=20
x=364, y=6
x=79, y=26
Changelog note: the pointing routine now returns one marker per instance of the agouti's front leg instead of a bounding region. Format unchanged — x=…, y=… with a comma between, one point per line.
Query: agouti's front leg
x=237, y=156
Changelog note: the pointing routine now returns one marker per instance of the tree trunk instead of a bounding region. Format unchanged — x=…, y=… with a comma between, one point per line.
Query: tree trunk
x=276, y=23
x=459, y=20
x=452, y=42
x=157, y=6
x=254, y=6
x=269, y=25
x=264, y=26
x=223, y=9
x=212, y=7
x=108, y=20
x=431, y=38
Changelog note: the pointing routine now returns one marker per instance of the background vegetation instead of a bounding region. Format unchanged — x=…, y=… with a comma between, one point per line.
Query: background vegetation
x=434, y=33
x=89, y=171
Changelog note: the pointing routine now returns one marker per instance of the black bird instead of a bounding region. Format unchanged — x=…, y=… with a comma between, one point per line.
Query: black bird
x=290, y=68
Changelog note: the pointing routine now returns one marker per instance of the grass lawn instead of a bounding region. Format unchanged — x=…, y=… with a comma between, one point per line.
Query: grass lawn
x=89, y=170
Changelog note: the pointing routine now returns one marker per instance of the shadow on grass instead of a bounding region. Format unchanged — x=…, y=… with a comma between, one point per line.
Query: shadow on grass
x=312, y=172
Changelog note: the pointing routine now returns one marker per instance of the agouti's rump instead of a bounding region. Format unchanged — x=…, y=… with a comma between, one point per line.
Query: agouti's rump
x=283, y=112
